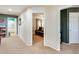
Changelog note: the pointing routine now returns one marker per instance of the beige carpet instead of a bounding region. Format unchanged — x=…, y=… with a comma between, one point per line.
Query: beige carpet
x=14, y=45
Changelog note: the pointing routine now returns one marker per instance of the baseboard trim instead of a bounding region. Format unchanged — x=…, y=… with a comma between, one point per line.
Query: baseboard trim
x=58, y=50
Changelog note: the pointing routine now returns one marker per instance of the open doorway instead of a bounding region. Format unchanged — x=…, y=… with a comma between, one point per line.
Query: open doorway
x=70, y=25
x=69, y=29
x=11, y=26
x=37, y=28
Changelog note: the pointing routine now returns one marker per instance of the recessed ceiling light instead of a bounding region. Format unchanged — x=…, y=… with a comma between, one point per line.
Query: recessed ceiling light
x=9, y=9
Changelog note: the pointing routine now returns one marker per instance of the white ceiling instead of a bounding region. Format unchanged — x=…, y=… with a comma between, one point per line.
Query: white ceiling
x=16, y=9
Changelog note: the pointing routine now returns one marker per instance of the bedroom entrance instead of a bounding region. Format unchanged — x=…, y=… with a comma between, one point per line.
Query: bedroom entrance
x=37, y=28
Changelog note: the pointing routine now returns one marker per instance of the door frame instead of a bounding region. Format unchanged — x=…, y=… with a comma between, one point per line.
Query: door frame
x=43, y=25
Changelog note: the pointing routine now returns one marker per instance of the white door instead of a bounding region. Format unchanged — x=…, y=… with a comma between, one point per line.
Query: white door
x=73, y=27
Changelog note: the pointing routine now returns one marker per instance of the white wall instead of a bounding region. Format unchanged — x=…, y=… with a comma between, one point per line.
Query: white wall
x=52, y=27
x=20, y=30
x=51, y=23
x=25, y=30
x=52, y=38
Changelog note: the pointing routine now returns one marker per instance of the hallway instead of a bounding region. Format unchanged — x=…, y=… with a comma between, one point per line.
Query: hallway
x=15, y=45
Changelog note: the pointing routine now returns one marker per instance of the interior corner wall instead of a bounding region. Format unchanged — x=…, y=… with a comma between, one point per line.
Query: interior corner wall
x=51, y=25
x=52, y=38
x=33, y=24
x=25, y=29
